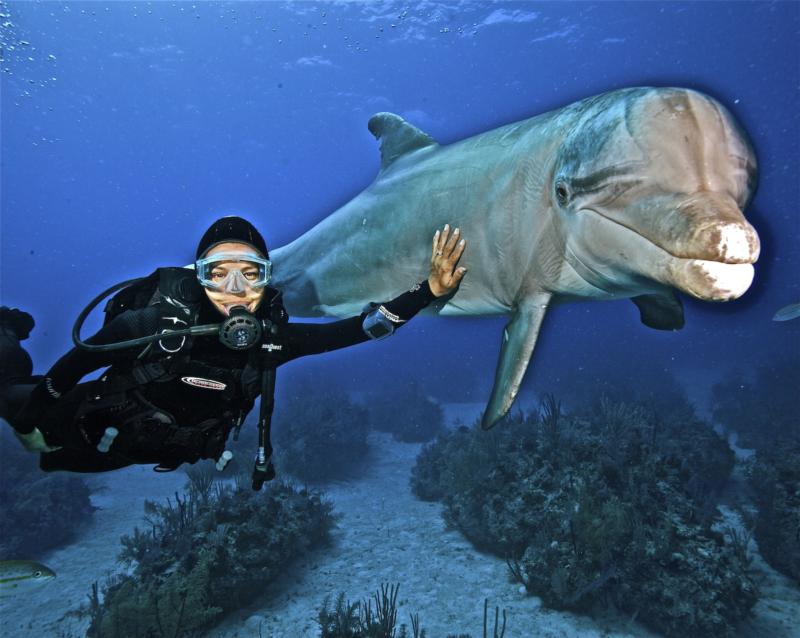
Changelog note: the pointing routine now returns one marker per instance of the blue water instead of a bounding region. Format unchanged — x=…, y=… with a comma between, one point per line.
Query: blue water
x=128, y=127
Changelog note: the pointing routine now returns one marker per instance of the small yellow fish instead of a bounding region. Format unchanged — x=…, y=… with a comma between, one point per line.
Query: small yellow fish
x=20, y=576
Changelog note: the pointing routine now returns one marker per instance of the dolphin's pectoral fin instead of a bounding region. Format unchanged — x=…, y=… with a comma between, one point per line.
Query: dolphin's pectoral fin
x=662, y=311
x=519, y=339
x=397, y=136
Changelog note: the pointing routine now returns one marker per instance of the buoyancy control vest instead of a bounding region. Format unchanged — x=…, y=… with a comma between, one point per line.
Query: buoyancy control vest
x=146, y=432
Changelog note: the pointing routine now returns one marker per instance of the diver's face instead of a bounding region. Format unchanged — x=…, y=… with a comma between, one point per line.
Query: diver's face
x=243, y=295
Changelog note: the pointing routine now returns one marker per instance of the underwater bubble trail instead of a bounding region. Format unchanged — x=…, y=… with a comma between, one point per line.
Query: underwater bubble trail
x=17, y=57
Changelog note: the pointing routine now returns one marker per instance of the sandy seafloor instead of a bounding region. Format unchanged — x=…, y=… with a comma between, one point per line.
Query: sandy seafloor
x=385, y=535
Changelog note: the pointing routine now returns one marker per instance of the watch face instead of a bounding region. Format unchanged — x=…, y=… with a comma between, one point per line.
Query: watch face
x=378, y=330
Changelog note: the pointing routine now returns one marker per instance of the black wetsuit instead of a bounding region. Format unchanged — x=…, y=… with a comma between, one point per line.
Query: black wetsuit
x=192, y=398
x=16, y=366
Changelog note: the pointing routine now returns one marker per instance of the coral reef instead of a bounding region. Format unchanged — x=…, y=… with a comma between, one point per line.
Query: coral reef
x=764, y=410
x=39, y=511
x=774, y=475
x=407, y=413
x=321, y=436
x=206, y=553
x=612, y=506
x=646, y=380
x=359, y=620
x=316, y=438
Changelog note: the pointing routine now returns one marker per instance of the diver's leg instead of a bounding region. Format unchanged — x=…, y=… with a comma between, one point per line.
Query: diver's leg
x=16, y=366
x=86, y=460
x=15, y=362
x=12, y=397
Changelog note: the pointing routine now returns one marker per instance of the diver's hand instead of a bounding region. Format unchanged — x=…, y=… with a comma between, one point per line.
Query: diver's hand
x=447, y=250
x=34, y=441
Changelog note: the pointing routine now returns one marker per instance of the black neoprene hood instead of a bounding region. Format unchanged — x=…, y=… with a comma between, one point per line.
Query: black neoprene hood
x=231, y=228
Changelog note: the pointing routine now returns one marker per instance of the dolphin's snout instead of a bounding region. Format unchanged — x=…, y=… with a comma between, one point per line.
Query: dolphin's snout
x=732, y=243
x=712, y=247
x=711, y=227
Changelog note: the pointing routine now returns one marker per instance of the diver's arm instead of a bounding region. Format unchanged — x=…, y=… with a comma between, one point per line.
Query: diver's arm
x=383, y=319
x=77, y=363
x=313, y=338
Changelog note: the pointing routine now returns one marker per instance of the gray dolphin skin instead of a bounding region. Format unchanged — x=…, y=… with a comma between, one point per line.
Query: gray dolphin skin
x=636, y=193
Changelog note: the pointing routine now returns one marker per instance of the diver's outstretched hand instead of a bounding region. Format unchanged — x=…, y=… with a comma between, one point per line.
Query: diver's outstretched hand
x=447, y=250
x=34, y=441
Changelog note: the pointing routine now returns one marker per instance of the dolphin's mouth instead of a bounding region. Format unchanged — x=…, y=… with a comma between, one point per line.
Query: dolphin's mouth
x=712, y=280
x=705, y=279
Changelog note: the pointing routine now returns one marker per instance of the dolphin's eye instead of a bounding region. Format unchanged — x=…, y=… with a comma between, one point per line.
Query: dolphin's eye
x=37, y=574
x=562, y=193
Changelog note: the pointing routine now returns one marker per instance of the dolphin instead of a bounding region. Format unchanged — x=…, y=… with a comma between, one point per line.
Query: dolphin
x=635, y=193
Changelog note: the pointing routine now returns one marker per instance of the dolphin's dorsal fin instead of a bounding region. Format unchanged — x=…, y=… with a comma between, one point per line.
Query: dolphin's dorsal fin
x=519, y=339
x=397, y=136
x=662, y=311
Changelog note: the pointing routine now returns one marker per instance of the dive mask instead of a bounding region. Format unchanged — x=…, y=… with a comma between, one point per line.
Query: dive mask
x=233, y=272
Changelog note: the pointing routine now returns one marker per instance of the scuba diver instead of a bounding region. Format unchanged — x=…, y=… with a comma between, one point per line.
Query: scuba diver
x=187, y=353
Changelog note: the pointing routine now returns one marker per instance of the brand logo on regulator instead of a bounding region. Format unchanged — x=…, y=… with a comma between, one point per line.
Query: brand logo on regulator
x=206, y=384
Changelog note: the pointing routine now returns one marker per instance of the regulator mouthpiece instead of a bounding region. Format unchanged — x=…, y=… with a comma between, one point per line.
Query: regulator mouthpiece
x=240, y=330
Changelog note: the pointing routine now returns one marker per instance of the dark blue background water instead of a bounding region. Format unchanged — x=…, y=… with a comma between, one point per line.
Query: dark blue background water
x=128, y=127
